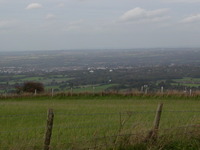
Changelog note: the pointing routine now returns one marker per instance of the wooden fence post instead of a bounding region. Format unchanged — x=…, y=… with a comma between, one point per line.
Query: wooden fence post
x=5, y=94
x=93, y=88
x=52, y=92
x=157, y=118
x=142, y=89
x=157, y=121
x=162, y=89
x=71, y=92
x=146, y=91
x=35, y=92
x=153, y=134
x=49, y=127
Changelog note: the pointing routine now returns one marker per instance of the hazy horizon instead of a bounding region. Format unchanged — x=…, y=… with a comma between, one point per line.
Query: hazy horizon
x=108, y=49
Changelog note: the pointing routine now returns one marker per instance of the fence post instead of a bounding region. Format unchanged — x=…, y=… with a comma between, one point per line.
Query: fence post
x=52, y=92
x=71, y=92
x=153, y=134
x=142, y=89
x=157, y=117
x=5, y=94
x=35, y=92
x=49, y=128
x=157, y=121
x=162, y=89
x=146, y=91
x=93, y=88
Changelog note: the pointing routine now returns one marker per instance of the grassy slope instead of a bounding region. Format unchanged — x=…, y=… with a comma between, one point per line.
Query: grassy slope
x=28, y=130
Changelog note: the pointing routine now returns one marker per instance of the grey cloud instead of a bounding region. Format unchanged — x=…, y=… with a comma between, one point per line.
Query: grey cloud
x=191, y=19
x=50, y=16
x=141, y=15
x=34, y=6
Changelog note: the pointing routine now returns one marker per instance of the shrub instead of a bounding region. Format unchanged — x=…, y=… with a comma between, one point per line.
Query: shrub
x=30, y=87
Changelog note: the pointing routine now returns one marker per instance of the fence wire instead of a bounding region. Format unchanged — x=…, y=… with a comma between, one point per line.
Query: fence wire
x=22, y=115
x=23, y=129
x=94, y=114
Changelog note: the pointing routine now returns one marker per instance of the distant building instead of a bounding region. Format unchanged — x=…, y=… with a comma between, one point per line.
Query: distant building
x=91, y=71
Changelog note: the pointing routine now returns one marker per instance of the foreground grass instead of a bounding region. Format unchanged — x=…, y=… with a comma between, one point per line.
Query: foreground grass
x=81, y=119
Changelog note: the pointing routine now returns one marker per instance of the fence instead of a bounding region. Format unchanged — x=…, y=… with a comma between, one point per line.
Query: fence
x=71, y=93
x=124, y=130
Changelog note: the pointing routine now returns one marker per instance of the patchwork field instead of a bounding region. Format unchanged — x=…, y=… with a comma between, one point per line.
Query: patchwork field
x=188, y=82
x=78, y=120
x=56, y=82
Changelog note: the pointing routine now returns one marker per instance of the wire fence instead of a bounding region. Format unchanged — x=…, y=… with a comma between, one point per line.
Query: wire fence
x=113, y=137
x=96, y=114
x=145, y=92
x=109, y=128
x=22, y=115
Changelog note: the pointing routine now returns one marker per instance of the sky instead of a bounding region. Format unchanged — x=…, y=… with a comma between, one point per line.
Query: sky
x=98, y=24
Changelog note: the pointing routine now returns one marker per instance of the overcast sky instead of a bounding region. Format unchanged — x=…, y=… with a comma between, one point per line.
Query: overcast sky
x=98, y=24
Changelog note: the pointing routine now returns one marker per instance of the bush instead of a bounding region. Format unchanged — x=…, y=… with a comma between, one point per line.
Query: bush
x=30, y=87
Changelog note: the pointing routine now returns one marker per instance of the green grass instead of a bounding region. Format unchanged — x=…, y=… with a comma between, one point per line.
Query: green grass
x=22, y=121
x=58, y=76
x=45, y=80
x=52, y=87
x=19, y=76
x=32, y=78
x=91, y=88
x=186, y=84
x=187, y=81
x=2, y=91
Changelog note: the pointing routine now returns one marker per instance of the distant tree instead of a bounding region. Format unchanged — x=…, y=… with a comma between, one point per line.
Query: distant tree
x=30, y=87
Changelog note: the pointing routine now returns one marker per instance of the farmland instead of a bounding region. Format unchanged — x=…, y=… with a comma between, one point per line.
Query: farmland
x=56, y=82
x=81, y=119
x=102, y=70
x=188, y=82
x=105, y=80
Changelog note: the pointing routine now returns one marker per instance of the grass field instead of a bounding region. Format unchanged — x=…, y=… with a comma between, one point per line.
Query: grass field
x=188, y=82
x=92, y=88
x=22, y=121
x=188, y=79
